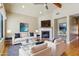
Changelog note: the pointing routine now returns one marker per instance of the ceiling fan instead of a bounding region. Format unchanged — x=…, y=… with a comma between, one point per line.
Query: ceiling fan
x=59, y=5
x=46, y=6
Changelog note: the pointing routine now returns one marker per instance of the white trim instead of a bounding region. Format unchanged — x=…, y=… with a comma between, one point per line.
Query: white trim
x=68, y=30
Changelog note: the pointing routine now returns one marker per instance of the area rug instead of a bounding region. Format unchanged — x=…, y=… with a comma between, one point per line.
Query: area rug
x=14, y=50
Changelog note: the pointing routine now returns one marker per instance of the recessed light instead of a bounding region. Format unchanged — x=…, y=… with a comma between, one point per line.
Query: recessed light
x=23, y=6
x=36, y=30
x=40, y=12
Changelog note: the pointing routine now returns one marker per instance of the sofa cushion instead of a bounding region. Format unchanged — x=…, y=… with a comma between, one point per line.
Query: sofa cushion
x=39, y=47
x=17, y=35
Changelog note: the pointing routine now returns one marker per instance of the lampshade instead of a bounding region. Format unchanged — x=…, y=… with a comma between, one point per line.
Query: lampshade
x=9, y=31
x=36, y=31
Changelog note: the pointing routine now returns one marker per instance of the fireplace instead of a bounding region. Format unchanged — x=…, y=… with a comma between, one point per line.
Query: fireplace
x=45, y=34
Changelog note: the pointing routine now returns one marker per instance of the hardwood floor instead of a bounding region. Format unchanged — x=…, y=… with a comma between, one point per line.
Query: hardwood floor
x=72, y=49
x=5, y=52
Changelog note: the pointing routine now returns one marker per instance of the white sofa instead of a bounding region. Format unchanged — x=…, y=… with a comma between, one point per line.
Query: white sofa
x=22, y=39
x=58, y=47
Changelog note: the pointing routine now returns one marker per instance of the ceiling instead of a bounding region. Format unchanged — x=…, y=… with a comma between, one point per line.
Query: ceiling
x=29, y=9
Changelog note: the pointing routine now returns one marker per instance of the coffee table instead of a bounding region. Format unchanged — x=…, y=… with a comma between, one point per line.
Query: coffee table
x=25, y=48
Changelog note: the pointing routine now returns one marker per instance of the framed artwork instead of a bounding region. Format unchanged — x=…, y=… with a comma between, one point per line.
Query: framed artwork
x=24, y=27
x=62, y=28
x=1, y=25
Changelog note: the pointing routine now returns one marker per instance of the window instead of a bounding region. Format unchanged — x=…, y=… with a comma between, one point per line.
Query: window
x=1, y=25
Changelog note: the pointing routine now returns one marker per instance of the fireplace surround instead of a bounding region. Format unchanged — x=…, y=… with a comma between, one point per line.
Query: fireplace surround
x=46, y=33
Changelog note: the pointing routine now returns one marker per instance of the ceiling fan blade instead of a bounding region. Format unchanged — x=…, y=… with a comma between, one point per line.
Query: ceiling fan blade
x=58, y=5
x=46, y=6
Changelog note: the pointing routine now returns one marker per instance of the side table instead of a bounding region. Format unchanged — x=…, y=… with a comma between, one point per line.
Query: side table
x=8, y=40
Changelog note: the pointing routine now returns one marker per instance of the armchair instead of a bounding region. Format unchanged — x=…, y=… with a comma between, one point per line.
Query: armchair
x=58, y=47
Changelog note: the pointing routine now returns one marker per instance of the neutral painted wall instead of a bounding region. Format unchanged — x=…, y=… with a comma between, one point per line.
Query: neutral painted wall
x=45, y=16
x=14, y=20
x=67, y=9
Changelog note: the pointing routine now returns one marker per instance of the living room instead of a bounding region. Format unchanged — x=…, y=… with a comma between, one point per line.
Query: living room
x=43, y=21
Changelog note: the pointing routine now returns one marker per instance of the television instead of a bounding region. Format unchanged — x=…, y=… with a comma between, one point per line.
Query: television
x=1, y=26
x=62, y=28
x=46, y=23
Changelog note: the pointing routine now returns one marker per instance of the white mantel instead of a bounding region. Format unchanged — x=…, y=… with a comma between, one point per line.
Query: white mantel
x=46, y=29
